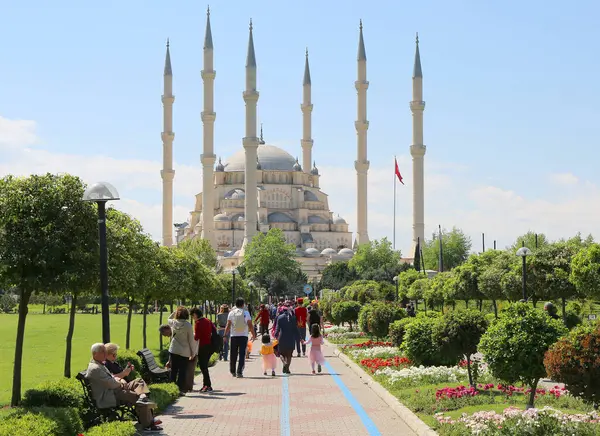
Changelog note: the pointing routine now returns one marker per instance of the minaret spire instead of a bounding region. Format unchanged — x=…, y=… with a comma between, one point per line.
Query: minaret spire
x=417, y=151
x=250, y=142
x=306, y=107
x=208, y=157
x=167, y=173
x=361, y=164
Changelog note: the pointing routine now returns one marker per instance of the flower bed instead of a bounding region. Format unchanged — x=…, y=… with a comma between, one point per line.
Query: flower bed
x=392, y=362
x=378, y=351
x=514, y=421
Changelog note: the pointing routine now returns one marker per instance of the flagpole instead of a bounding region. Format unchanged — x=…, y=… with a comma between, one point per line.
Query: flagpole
x=441, y=260
x=394, y=235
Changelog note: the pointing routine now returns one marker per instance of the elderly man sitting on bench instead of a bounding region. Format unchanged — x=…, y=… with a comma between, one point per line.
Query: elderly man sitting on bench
x=109, y=392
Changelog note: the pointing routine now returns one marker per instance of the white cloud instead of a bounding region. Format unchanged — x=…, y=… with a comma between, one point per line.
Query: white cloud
x=452, y=197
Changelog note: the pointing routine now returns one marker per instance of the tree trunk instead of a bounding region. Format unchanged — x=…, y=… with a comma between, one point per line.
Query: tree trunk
x=160, y=318
x=469, y=371
x=532, y=394
x=453, y=305
x=466, y=304
x=350, y=324
x=564, y=310
x=495, y=309
x=481, y=305
x=128, y=334
x=116, y=307
x=16, y=388
x=70, y=335
x=144, y=323
x=44, y=309
x=534, y=301
x=172, y=308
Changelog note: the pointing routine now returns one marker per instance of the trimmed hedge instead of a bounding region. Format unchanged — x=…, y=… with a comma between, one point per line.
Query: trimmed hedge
x=397, y=331
x=126, y=356
x=116, y=428
x=66, y=392
x=163, y=394
x=53, y=421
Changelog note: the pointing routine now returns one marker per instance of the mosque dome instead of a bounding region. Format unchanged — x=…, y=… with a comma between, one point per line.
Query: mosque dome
x=221, y=217
x=297, y=166
x=346, y=252
x=339, y=220
x=314, y=171
x=310, y=196
x=316, y=219
x=235, y=194
x=270, y=158
x=219, y=167
x=279, y=217
x=311, y=252
x=299, y=252
x=237, y=253
x=329, y=252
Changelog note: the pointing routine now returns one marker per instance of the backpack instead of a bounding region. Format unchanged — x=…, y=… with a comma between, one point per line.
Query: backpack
x=239, y=323
x=216, y=341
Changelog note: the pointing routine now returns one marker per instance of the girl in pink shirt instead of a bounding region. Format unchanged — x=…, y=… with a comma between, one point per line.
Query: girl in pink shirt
x=316, y=355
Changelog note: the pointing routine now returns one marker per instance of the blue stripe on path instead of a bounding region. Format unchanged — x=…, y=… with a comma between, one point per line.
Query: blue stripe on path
x=285, y=408
x=367, y=422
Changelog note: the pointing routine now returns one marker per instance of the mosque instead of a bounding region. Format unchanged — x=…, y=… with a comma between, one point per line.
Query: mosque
x=263, y=186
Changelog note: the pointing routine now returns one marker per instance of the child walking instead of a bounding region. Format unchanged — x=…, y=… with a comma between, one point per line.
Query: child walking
x=269, y=360
x=315, y=342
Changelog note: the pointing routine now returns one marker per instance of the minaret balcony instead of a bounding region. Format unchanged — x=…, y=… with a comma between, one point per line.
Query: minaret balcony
x=208, y=74
x=168, y=99
x=208, y=117
x=417, y=106
x=166, y=136
x=361, y=125
x=418, y=150
x=361, y=84
x=306, y=108
x=251, y=95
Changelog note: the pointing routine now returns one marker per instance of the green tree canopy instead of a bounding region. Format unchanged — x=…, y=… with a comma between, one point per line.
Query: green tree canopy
x=337, y=275
x=377, y=261
x=455, y=249
x=201, y=249
x=585, y=271
x=529, y=239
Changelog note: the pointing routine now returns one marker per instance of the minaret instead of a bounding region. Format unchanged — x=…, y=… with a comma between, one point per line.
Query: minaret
x=417, y=150
x=361, y=164
x=167, y=173
x=208, y=157
x=306, y=108
x=250, y=143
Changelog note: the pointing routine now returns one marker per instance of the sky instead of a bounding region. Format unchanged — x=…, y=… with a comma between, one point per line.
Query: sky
x=511, y=90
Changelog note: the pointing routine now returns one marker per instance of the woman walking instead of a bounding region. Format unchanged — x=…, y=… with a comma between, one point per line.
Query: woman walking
x=183, y=347
x=221, y=324
x=287, y=334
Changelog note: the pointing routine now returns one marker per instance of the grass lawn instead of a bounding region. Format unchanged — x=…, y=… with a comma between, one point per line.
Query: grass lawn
x=44, y=347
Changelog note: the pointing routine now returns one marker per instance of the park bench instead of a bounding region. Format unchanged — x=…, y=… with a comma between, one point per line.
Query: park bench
x=155, y=373
x=95, y=415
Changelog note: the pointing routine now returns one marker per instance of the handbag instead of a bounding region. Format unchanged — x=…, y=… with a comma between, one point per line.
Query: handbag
x=216, y=341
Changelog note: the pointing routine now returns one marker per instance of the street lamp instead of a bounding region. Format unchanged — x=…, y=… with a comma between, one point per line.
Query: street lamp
x=233, y=273
x=100, y=193
x=524, y=252
x=251, y=286
x=396, y=281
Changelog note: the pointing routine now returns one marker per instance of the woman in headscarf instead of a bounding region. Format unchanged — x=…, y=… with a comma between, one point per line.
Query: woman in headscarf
x=287, y=334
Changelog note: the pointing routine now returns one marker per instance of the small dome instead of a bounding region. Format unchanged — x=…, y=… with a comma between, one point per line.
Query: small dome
x=310, y=196
x=329, y=252
x=299, y=252
x=237, y=253
x=311, y=252
x=279, y=217
x=339, y=220
x=346, y=252
x=314, y=171
x=297, y=166
x=219, y=167
x=238, y=217
x=221, y=217
x=316, y=219
x=235, y=194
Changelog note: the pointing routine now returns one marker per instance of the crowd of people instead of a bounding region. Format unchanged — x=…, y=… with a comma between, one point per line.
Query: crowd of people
x=194, y=339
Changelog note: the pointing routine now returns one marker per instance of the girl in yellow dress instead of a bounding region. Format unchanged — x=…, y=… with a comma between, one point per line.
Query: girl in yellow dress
x=269, y=360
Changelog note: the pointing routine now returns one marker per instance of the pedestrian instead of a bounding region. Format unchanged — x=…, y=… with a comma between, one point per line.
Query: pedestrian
x=267, y=351
x=301, y=318
x=239, y=324
x=203, y=329
x=315, y=356
x=314, y=316
x=286, y=334
x=183, y=347
x=263, y=319
x=221, y=324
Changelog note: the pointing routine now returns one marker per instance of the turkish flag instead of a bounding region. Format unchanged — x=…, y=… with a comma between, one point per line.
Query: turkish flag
x=397, y=171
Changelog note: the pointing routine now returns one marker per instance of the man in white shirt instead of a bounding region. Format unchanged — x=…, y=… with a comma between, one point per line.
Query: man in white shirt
x=239, y=324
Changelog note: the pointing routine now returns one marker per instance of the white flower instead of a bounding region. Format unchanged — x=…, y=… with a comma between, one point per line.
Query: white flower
x=370, y=353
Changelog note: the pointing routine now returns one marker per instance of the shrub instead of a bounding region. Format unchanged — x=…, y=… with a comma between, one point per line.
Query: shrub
x=164, y=394
x=363, y=317
x=67, y=419
x=457, y=334
x=163, y=356
x=28, y=424
x=363, y=291
x=116, y=428
x=574, y=361
x=378, y=316
x=418, y=342
x=326, y=303
x=126, y=356
x=398, y=330
x=514, y=346
x=346, y=311
x=66, y=392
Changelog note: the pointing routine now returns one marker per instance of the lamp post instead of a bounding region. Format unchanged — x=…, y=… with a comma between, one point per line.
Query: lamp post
x=524, y=252
x=251, y=286
x=233, y=273
x=396, y=281
x=100, y=193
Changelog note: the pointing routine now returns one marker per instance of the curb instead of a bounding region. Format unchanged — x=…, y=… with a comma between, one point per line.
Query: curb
x=412, y=420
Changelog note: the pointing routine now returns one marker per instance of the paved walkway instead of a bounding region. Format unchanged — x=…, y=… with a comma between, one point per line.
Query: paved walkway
x=335, y=402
